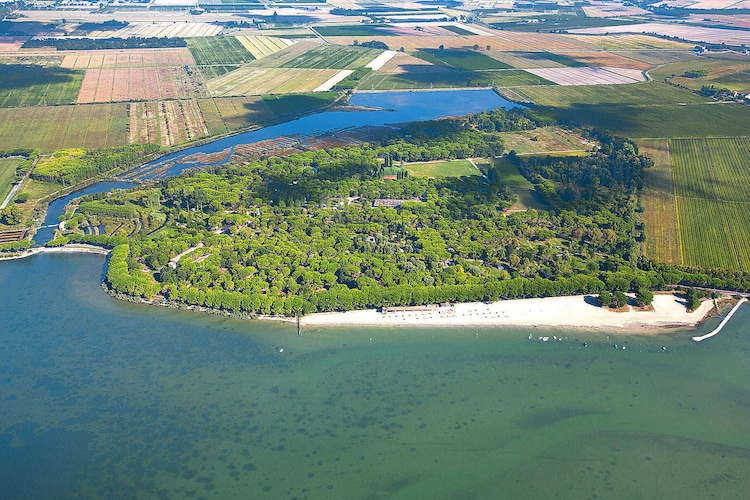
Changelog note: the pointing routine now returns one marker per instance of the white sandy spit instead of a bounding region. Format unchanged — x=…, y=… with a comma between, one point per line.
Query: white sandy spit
x=574, y=312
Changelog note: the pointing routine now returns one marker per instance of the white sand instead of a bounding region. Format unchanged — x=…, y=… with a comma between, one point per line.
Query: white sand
x=575, y=312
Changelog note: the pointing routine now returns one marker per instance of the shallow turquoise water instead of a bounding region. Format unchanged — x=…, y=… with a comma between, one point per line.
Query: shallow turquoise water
x=102, y=398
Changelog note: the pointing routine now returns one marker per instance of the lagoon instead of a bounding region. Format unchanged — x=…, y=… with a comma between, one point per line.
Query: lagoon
x=103, y=398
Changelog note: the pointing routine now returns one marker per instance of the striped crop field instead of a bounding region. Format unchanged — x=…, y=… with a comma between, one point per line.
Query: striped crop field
x=33, y=85
x=662, y=242
x=253, y=80
x=218, y=55
x=333, y=57
x=262, y=46
x=712, y=188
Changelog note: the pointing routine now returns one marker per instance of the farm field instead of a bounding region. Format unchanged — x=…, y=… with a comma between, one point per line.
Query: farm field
x=712, y=188
x=589, y=76
x=253, y=80
x=733, y=73
x=34, y=84
x=7, y=175
x=139, y=84
x=333, y=57
x=662, y=242
x=57, y=127
x=218, y=55
x=223, y=115
x=432, y=169
x=461, y=59
x=262, y=46
x=630, y=42
x=129, y=58
x=641, y=110
x=166, y=123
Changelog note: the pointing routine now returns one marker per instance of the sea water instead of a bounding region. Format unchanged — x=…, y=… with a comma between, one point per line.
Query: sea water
x=107, y=399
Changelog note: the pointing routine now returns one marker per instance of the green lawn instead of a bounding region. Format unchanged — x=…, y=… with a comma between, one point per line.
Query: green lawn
x=432, y=169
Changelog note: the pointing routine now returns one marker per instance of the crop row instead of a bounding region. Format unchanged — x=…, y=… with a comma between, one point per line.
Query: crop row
x=712, y=168
x=219, y=51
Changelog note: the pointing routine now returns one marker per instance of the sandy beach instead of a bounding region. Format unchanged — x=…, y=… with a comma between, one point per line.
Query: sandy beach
x=72, y=248
x=574, y=312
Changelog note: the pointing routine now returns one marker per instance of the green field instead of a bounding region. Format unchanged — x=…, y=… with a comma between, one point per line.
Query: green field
x=662, y=241
x=432, y=169
x=440, y=77
x=33, y=85
x=647, y=109
x=712, y=187
x=460, y=59
x=218, y=55
x=724, y=71
x=223, y=115
x=363, y=31
x=7, y=175
x=57, y=127
x=333, y=57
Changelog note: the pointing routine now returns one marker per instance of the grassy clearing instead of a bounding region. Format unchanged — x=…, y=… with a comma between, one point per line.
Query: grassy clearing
x=528, y=197
x=460, y=59
x=546, y=140
x=712, y=184
x=7, y=175
x=218, y=55
x=432, y=169
x=662, y=242
x=33, y=85
x=333, y=57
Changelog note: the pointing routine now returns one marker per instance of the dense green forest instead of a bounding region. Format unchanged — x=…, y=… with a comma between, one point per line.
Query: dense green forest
x=306, y=233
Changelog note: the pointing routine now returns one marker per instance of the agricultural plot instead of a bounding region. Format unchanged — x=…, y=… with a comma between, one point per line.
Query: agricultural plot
x=662, y=241
x=721, y=71
x=167, y=29
x=225, y=115
x=412, y=43
x=136, y=84
x=218, y=55
x=461, y=59
x=433, y=169
x=629, y=42
x=333, y=57
x=641, y=110
x=262, y=46
x=607, y=59
x=132, y=58
x=712, y=187
x=57, y=127
x=34, y=85
x=166, y=123
x=253, y=80
x=589, y=76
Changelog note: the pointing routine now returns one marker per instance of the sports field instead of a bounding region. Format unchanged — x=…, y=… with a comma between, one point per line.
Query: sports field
x=432, y=169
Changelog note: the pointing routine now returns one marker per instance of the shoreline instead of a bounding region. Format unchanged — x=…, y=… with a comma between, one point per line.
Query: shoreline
x=576, y=312
x=69, y=248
